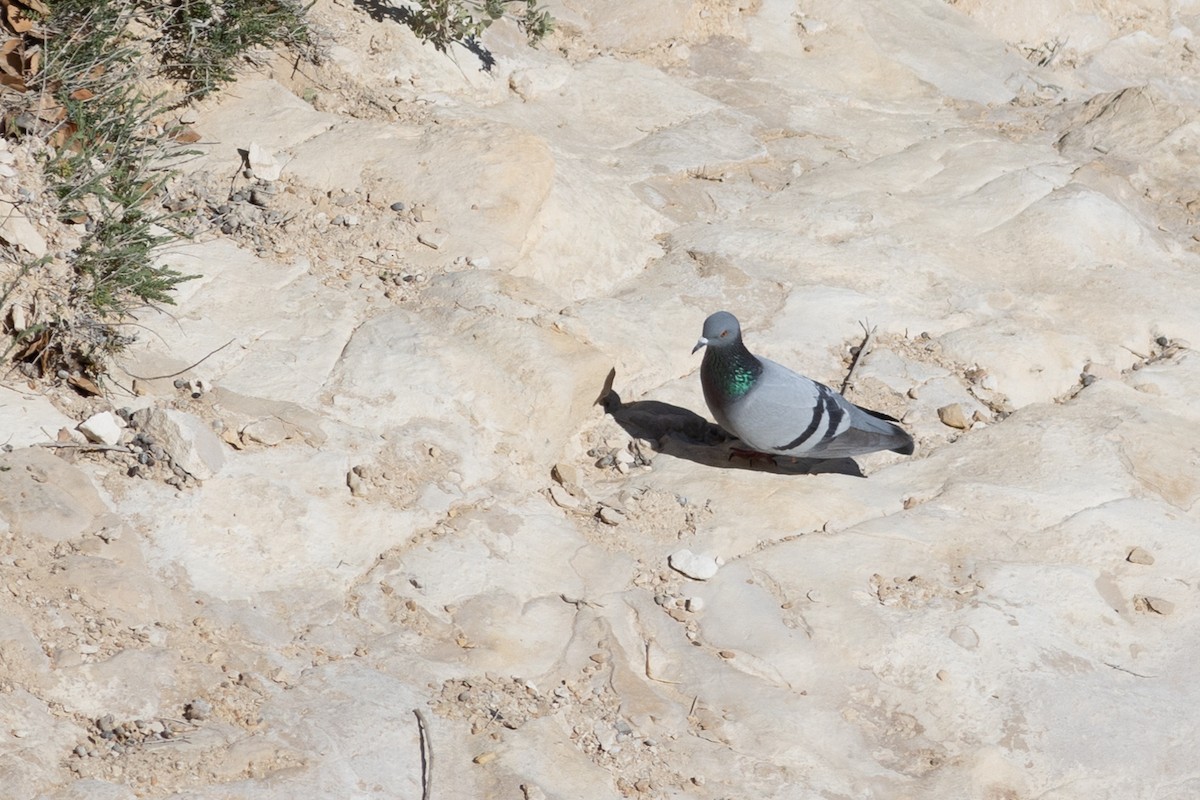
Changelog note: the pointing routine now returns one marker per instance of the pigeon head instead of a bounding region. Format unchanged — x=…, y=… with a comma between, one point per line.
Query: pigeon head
x=720, y=330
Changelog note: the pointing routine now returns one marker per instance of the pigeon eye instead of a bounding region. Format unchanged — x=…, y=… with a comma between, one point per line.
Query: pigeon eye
x=724, y=334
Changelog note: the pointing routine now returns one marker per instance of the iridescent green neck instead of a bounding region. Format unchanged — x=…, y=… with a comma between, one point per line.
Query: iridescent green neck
x=733, y=369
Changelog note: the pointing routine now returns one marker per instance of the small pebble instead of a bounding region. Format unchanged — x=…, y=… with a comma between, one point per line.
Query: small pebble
x=358, y=487
x=532, y=792
x=397, y=206
x=611, y=516
x=434, y=239
x=694, y=604
x=1138, y=555
x=1162, y=341
x=1155, y=605
x=562, y=498
x=954, y=416
x=697, y=567
x=965, y=637
x=565, y=474
x=198, y=709
x=484, y=758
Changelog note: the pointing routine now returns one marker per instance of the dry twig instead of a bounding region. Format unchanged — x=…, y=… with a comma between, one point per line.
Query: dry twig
x=426, y=754
x=862, y=349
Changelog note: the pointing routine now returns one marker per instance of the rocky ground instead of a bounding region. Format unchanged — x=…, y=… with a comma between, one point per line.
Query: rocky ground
x=419, y=465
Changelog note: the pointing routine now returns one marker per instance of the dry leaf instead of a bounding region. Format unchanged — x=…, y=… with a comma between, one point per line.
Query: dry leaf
x=13, y=64
x=37, y=6
x=18, y=21
x=185, y=135
x=82, y=94
x=12, y=82
x=49, y=110
x=62, y=134
x=84, y=385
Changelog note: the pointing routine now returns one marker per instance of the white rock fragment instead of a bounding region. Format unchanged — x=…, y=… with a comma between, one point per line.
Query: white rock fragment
x=562, y=498
x=269, y=432
x=611, y=516
x=1138, y=555
x=566, y=474
x=954, y=416
x=696, y=567
x=435, y=238
x=263, y=162
x=532, y=792
x=18, y=317
x=694, y=604
x=189, y=441
x=102, y=428
x=358, y=486
x=965, y=637
x=17, y=231
x=1153, y=605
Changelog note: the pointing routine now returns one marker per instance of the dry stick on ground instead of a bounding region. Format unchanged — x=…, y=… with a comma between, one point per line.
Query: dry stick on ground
x=79, y=446
x=426, y=754
x=185, y=369
x=862, y=349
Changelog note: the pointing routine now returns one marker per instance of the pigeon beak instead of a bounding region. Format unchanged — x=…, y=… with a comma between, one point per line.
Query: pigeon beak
x=701, y=343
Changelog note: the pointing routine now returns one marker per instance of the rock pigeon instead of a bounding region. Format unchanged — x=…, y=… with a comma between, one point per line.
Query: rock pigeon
x=775, y=411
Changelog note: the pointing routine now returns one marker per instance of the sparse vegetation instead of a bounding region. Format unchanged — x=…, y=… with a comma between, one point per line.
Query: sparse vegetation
x=446, y=22
x=85, y=92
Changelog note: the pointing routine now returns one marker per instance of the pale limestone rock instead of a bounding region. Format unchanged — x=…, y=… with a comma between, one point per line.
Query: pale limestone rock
x=270, y=432
x=263, y=162
x=491, y=179
x=187, y=439
x=228, y=297
x=401, y=367
x=42, y=496
x=1139, y=555
x=629, y=25
x=874, y=194
x=260, y=111
x=27, y=418
x=103, y=428
x=943, y=48
x=696, y=566
x=954, y=416
x=18, y=231
x=563, y=499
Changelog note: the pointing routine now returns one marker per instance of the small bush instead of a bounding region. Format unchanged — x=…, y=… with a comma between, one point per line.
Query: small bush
x=446, y=22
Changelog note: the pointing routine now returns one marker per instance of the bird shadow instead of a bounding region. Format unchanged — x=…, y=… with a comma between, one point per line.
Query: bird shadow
x=382, y=11
x=681, y=433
